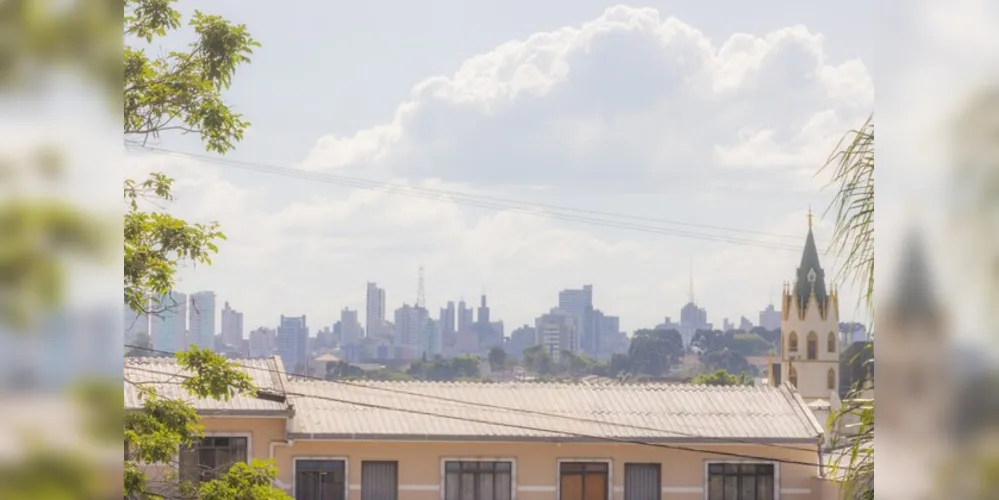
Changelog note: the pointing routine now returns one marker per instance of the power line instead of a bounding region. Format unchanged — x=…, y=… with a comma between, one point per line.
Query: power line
x=503, y=204
x=482, y=405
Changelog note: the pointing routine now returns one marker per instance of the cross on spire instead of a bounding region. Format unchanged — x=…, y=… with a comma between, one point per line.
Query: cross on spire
x=809, y=216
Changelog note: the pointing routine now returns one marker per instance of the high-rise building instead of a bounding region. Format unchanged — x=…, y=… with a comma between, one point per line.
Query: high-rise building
x=465, y=319
x=232, y=326
x=432, y=338
x=692, y=318
x=374, y=318
x=579, y=303
x=201, y=324
x=410, y=328
x=292, y=343
x=770, y=318
x=350, y=327
x=136, y=327
x=483, y=316
x=169, y=324
x=262, y=341
x=448, y=324
x=557, y=331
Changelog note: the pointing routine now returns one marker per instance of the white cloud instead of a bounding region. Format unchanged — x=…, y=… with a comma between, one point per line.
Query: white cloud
x=626, y=102
x=628, y=95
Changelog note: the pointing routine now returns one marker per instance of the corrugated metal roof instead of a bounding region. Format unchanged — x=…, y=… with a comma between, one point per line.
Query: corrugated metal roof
x=650, y=412
x=165, y=374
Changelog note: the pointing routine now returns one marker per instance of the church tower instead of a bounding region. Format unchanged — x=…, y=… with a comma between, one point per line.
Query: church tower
x=809, y=327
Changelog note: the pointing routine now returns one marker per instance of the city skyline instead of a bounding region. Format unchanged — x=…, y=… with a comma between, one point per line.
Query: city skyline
x=730, y=189
x=567, y=302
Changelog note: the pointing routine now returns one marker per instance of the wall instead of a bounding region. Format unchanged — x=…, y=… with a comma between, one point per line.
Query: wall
x=536, y=465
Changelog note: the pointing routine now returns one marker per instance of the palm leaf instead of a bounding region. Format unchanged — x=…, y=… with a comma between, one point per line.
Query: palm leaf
x=852, y=165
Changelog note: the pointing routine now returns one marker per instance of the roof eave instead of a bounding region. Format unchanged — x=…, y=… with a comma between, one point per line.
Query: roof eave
x=638, y=440
x=215, y=413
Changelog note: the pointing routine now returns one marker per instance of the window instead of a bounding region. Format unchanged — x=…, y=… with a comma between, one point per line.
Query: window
x=792, y=376
x=379, y=480
x=211, y=457
x=813, y=345
x=478, y=480
x=584, y=481
x=642, y=481
x=792, y=342
x=320, y=479
x=740, y=481
x=831, y=379
x=831, y=342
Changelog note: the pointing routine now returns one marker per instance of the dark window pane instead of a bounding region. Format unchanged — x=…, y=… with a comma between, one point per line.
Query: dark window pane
x=452, y=485
x=765, y=487
x=452, y=466
x=504, y=485
x=747, y=487
x=716, y=487
x=504, y=466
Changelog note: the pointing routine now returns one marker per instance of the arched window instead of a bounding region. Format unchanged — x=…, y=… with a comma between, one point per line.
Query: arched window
x=792, y=376
x=831, y=379
x=813, y=345
x=831, y=342
x=792, y=342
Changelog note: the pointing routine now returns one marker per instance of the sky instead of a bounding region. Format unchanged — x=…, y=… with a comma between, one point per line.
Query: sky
x=527, y=147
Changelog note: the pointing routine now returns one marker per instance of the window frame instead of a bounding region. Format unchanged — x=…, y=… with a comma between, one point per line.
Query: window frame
x=247, y=435
x=346, y=471
x=792, y=342
x=361, y=485
x=833, y=342
x=812, y=346
x=610, y=473
x=831, y=378
x=709, y=463
x=511, y=460
x=624, y=475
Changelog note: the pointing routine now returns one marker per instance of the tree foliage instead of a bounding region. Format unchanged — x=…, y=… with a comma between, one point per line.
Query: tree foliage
x=653, y=352
x=497, y=358
x=722, y=378
x=440, y=369
x=179, y=91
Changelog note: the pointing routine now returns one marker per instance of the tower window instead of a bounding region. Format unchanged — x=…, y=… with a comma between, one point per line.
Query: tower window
x=831, y=342
x=792, y=342
x=813, y=345
x=831, y=379
x=792, y=376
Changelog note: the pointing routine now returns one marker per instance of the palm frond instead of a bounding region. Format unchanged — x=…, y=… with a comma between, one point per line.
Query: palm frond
x=852, y=166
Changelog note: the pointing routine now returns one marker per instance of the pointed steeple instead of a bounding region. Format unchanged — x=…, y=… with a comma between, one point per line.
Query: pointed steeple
x=811, y=278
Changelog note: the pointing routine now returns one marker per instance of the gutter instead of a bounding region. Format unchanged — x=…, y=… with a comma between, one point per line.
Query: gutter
x=287, y=441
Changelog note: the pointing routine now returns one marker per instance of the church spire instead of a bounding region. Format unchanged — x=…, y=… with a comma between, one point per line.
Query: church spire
x=810, y=276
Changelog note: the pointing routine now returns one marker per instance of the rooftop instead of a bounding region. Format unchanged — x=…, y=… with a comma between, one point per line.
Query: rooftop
x=521, y=411
x=549, y=411
x=166, y=375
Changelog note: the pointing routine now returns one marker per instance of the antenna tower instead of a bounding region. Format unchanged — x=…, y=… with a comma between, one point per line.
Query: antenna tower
x=421, y=299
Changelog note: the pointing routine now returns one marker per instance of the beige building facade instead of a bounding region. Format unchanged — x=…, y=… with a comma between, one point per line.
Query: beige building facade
x=506, y=441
